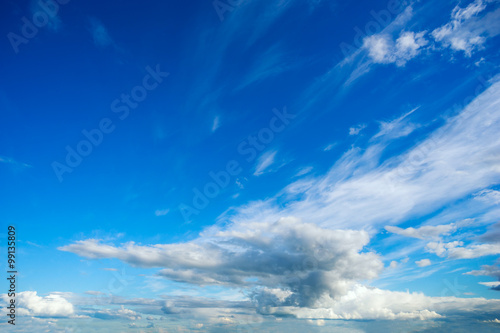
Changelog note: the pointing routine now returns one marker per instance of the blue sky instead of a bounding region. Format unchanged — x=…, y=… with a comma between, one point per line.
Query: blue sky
x=222, y=166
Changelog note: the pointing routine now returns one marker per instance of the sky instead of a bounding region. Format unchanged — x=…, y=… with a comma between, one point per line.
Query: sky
x=251, y=166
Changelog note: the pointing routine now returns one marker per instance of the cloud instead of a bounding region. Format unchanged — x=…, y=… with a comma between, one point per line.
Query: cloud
x=311, y=264
x=466, y=31
x=383, y=49
x=52, y=305
x=298, y=257
x=357, y=129
x=304, y=171
x=288, y=268
x=423, y=263
x=270, y=63
x=455, y=250
x=162, y=212
x=425, y=232
x=330, y=146
x=397, y=128
x=493, y=321
x=473, y=251
x=13, y=162
x=363, y=302
x=264, y=162
x=94, y=293
x=100, y=33
x=54, y=22
x=493, y=271
x=443, y=167
x=122, y=313
x=494, y=285
x=215, y=123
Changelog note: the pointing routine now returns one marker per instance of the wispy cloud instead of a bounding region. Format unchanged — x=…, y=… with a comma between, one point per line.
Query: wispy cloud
x=215, y=123
x=314, y=269
x=13, y=162
x=425, y=232
x=99, y=33
x=357, y=129
x=162, y=212
x=264, y=162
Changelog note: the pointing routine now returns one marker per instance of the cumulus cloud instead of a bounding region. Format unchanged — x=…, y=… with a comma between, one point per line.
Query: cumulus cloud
x=383, y=49
x=467, y=31
x=363, y=302
x=300, y=258
x=307, y=269
x=493, y=321
x=52, y=305
x=423, y=263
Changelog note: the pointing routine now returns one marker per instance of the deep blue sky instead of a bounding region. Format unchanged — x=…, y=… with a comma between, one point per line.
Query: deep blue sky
x=387, y=161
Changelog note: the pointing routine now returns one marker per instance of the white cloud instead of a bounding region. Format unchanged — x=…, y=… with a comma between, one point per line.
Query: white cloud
x=491, y=284
x=122, y=313
x=397, y=128
x=493, y=271
x=383, y=49
x=52, y=305
x=304, y=171
x=493, y=321
x=330, y=146
x=425, y=232
x=360, y=190
x=456, y=250
x=356, y=129
x=467, y=31
x=302, y=258
x=264, y=162
x=13, y=162
x=473, y=251
x=423, y=263
x=162, y=212
x=215, y=123
x=313, y=269
x=363, y=302
x=488, y=196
